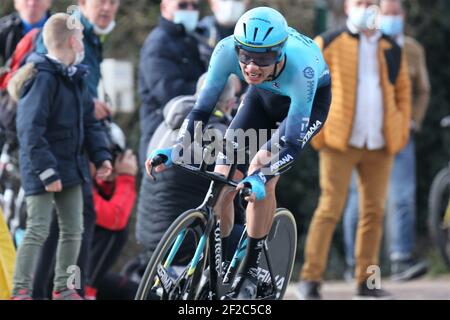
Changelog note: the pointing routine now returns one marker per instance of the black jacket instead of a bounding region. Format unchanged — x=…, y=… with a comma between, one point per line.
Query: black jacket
x=11, y=30
x=55, y=124
x=170, y=65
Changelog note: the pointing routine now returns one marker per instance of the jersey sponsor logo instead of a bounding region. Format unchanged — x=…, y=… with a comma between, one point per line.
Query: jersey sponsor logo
x=311, y=131
x=310, y=91
x=218, y=49
x=262, y=177
x=325, y=73
x=305, y=40
x=304, y=125
x=277, y=165
x=276, y=85
x=308, y=72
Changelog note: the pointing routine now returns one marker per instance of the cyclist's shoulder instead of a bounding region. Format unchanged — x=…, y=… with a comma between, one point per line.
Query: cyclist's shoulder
x=300, y=48
x=305, y=64
x=224, y=46
x=224, y=59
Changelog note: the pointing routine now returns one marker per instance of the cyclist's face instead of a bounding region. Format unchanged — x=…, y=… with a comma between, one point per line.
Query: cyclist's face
x=254, y=74
x=256, y=67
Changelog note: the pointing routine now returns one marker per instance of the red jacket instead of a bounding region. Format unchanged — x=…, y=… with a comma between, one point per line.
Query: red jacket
x=114, y=202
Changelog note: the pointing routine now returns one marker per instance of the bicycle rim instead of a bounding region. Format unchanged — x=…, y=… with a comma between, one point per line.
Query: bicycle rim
x=192, y=224
x=282, y=247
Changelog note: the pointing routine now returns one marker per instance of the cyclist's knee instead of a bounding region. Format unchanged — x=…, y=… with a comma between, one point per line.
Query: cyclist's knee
x=228, y=194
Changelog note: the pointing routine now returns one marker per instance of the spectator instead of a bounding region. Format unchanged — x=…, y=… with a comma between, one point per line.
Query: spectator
x=13, y=28
x=220, y=25
x=97, y=18
x=402, y=184
x=175, y=191
x=170, y=65
x=52, y=135
x=367, y=125
x=114, y=200
x=29, y=15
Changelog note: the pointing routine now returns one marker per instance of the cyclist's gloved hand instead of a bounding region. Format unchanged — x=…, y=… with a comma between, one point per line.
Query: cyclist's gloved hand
x=167, y=152
x=256, y=183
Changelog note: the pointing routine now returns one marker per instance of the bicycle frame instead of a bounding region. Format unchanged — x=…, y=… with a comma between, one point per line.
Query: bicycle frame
x=219, y=282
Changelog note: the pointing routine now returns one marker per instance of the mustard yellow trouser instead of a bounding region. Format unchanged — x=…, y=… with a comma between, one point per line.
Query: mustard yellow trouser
x=373, y=169
x=7, y=260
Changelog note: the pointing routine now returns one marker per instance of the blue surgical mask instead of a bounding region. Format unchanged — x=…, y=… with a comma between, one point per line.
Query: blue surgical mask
x=188, y=18
x=363, y=18
x=391, y=25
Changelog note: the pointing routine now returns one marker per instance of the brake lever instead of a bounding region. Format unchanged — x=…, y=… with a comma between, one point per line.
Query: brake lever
x=156, y=161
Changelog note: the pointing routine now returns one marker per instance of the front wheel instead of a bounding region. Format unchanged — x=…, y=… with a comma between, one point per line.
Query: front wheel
x=167, y=276
x=439, y=215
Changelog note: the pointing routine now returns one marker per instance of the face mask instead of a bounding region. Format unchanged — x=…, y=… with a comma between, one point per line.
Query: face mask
x=79, y=57
x=391, y=25
x=188, y=18
x=362, y=18
x=103, y=32
x=229, y=12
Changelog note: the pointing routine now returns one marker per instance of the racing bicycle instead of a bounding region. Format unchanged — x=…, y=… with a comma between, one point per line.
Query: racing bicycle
x=187, y=263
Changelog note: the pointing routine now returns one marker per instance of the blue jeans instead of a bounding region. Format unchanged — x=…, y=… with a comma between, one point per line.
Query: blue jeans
x=401, y=217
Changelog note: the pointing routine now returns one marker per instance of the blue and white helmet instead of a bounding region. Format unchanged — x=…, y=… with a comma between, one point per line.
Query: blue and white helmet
x=262, y=29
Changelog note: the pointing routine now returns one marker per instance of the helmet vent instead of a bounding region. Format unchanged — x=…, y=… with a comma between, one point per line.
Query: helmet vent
x=254, y=34
x=245, y=30
x=267, y=33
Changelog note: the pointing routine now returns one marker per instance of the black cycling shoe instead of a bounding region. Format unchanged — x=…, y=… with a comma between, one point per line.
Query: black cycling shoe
x=245, y=287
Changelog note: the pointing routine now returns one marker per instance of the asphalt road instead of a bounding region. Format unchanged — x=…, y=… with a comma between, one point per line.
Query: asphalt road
x=421, y=289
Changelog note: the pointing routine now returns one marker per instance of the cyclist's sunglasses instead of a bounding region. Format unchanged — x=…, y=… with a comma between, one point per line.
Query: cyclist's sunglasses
x=185, y=5
x=261, y=59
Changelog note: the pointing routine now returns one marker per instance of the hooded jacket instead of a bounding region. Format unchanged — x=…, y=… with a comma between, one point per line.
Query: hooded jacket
x=55, y=125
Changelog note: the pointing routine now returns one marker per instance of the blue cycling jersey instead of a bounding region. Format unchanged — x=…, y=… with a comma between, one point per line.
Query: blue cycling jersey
x=303, y=73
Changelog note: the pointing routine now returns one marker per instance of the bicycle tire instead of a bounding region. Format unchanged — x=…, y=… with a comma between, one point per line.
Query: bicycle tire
x=437, y=203
x=192, y=220
x=282, y=247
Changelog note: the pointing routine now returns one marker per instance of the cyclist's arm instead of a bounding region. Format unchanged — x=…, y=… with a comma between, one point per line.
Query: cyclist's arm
x=223, y=63
x=299, y=129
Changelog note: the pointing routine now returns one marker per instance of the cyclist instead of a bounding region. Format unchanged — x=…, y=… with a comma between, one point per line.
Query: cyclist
x=289, y=83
